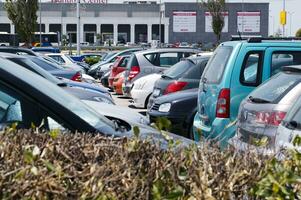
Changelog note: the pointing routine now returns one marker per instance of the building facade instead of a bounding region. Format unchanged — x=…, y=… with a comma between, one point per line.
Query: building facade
x=136, y=23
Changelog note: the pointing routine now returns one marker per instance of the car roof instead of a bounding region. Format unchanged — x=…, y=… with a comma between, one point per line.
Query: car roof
x=168, y=50
x=11, y=55
x=265, y=43
x=17, y=50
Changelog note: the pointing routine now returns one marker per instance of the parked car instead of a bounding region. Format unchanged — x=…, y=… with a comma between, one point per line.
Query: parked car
x=105, y=79
x=289, y=128
x=100, y=68
x=18, y=50
x=117, y=83
x=184, y=75
x=118, y=67
x=179, y=108
x=262, y=111
x=142, y=90
x=234, y=70
x=57, y=70
x=76, y=89
x=152, y=61
x=45, y=50
x=42, y=101
x=82, y=57
x=67, y=61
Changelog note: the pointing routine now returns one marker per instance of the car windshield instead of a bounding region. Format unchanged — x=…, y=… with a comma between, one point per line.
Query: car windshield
x=178, y=69
x=57, y=94
x=37, y=69
x=108, y=56
x=276, y=87
x=48, y=66
x=216, y=65
x=69, y=58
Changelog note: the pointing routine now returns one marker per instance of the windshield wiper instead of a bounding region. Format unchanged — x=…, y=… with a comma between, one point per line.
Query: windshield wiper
x=165, y=76
x=258, y=100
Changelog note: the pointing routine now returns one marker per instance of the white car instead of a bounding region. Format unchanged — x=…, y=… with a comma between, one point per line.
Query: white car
x=66, y=61
x=289, y=128
x=119, y=112
x=142, y=90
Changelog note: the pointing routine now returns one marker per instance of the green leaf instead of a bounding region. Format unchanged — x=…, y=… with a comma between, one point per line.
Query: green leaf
x=49, y=166
x=54, y=133
x=136, y=131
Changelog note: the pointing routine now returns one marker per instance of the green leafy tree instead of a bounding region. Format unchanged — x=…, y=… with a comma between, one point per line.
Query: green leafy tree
x=298, y=33
x=23, y=14
x=216, y=9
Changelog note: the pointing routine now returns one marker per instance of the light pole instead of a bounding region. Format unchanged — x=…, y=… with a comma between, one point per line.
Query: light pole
x=160, y=24
x=40, y=23
x=78, y=28
x=283, y=26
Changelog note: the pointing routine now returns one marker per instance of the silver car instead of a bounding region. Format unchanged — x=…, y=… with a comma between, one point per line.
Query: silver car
x=152, y=61
x=263, y=110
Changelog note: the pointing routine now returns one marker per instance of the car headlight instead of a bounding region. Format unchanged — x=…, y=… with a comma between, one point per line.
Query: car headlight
x=104, y=100
x=165, y=107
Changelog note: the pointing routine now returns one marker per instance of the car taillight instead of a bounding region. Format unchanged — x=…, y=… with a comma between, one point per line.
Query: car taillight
x=77, y=77
x=175, y=86
x=223, y=104
x=270, y=118
x=135, y=70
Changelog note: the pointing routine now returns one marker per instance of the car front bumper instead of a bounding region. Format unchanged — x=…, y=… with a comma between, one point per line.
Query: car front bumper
x=139, y=97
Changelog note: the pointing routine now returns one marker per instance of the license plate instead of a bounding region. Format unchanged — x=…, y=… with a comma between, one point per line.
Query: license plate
x=156, y=92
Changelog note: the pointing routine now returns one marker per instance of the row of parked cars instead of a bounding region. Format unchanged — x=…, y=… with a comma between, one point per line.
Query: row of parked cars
x=36, y=90
x=226, y=96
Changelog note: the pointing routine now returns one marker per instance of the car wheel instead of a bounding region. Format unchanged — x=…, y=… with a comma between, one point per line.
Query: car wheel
x=146, y=100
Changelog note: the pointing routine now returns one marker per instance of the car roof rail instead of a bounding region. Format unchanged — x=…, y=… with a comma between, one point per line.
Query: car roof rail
x=260, y=39
x=292, y=68
x=243, y=37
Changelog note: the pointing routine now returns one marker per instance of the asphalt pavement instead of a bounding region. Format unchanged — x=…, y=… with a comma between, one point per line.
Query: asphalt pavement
x=125, y=102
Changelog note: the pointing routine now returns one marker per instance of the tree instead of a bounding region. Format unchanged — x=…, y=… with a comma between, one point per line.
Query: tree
x=23, y=14
x=216, y=9
x=298, y=33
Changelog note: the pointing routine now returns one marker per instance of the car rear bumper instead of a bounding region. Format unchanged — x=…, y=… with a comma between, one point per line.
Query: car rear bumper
x=245, y=147
x=178, y=122
x=139, y=97
x=221, y=129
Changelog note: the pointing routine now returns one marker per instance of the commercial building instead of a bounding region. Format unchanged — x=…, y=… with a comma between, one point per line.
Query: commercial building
x=136, y=23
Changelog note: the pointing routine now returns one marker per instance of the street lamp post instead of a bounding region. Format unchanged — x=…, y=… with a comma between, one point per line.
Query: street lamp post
x=40, y=22
x=160, y=22
x=78, y=28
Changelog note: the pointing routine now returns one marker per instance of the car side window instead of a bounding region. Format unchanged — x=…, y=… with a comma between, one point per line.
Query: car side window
x=168, y=59
x=10, y=108
x=284, y=58
x=152, y=58
x=251, y=70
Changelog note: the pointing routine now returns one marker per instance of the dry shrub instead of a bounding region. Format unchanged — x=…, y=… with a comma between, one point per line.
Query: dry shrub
x=80, y=166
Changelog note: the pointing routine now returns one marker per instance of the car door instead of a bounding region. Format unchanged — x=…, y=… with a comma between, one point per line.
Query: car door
x=281, y=56
x=247, y=74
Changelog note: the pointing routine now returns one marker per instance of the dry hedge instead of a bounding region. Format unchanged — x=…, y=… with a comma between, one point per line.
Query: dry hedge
x=80, y=166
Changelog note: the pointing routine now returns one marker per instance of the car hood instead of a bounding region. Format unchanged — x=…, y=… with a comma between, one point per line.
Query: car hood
x=134, y=119
x=116, y=111
x=97, y=88
x=185, y=94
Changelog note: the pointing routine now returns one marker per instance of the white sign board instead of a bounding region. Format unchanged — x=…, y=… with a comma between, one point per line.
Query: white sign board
x=208, y=22
x=184, y=21
x=248, y=22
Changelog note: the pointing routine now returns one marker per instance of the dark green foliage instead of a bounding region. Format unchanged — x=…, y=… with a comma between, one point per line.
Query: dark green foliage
x=23, y=14
x=216, y=9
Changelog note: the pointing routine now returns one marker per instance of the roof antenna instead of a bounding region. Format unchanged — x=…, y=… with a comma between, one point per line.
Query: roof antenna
x=239, y=34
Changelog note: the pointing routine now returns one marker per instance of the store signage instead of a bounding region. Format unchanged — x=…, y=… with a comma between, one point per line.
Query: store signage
x=184, y=21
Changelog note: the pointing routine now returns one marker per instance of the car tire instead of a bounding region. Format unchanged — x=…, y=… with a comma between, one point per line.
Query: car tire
x=146, y=100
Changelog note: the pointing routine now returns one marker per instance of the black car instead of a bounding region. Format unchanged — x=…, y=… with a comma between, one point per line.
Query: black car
x=184, y=75
x=27, y=98
x=179, y=108
x=75, y=90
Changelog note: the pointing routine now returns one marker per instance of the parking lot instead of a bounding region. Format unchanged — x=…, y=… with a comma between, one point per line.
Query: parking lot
x=125, y=102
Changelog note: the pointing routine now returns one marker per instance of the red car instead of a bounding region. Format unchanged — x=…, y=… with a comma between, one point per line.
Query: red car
x=118, y=67
x=117, y=84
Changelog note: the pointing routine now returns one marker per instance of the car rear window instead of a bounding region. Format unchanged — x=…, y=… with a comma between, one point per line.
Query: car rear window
x=279, y=85
x=132, y=62
x=179, y=68
x=216, y=65
x=196, y=71
x=44, y=64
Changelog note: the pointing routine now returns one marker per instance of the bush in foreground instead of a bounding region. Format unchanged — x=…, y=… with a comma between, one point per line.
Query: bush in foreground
x=76, y=166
